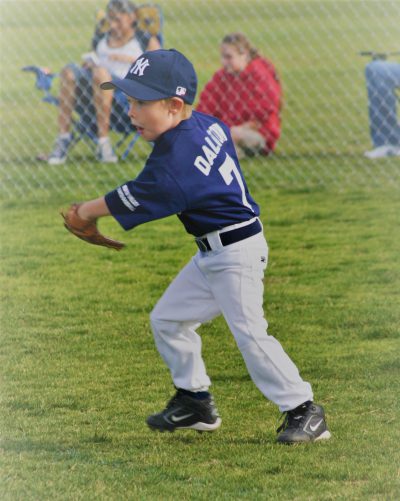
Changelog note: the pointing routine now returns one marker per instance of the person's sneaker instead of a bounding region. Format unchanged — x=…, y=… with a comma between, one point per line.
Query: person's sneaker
x=306, y=423
x=105, y=152
x=184, y=412
x=60, y=151
x=387, y=150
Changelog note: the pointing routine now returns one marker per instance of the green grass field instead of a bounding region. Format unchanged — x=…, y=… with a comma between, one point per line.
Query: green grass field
x=79, y=372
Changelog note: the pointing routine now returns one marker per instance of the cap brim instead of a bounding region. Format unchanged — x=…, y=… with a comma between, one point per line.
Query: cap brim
x=134, y=89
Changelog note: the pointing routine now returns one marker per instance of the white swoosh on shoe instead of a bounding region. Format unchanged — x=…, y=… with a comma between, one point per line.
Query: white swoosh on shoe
x=176, y=419
x=313, y=428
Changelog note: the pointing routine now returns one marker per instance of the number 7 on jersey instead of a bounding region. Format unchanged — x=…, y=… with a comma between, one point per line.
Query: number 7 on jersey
x=226, y=170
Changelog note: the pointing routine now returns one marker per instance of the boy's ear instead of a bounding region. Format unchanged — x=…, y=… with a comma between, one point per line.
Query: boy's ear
x=176, y=104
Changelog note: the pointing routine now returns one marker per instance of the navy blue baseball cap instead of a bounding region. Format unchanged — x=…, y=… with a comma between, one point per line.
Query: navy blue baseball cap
x=158, y=74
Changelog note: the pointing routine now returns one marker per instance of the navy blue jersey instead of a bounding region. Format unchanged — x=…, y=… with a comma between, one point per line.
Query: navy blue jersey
x=192, y=171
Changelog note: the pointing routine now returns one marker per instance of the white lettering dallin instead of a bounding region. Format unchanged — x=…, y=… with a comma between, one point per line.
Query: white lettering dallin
x=214, y=139
x=210, y=155
x=202, y=164
x=215, y=147
x=217, y=132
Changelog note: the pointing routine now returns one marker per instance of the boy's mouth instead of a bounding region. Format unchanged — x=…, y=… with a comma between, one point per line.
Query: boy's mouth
x=139, y=129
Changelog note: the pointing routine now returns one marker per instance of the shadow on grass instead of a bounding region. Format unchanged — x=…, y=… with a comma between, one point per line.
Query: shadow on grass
x=64, y=451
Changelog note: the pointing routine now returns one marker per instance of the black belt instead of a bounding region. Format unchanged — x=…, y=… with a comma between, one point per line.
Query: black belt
x=230, y=237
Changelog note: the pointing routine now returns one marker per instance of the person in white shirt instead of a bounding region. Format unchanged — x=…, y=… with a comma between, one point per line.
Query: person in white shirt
x=112, y=57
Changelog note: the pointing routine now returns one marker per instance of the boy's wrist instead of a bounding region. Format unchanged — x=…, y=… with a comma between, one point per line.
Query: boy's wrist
x=93, y=209
x=84, y=213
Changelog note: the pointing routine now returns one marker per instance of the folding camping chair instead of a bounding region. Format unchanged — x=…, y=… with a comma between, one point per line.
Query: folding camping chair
x=84, y=126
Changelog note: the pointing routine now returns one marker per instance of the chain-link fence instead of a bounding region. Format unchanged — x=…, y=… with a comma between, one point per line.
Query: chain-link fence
x=315, y=46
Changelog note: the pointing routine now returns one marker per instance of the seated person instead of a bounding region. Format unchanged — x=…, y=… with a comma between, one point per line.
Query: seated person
x=245, y=94
x=113, y=55
x=383, y=78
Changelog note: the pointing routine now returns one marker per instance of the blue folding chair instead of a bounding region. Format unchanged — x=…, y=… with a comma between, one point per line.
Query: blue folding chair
x=84, y=127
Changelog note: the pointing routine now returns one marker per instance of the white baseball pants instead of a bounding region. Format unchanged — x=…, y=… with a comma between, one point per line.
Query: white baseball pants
x=228, y=280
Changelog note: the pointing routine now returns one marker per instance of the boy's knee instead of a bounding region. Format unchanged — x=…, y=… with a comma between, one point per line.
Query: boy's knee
x=156, y=321
x=160, y=325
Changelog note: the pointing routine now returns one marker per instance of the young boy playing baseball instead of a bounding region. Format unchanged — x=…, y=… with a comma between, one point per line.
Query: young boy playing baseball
x=193, y=172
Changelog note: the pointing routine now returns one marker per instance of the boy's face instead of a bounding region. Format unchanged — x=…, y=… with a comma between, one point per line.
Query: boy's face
x=152, y=118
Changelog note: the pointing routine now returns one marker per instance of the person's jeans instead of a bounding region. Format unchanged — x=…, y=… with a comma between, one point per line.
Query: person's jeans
x=383, y=78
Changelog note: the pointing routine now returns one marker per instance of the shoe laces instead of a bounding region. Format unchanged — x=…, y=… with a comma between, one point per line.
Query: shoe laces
x=293, y=418
x=173, y=401
x=178, y=397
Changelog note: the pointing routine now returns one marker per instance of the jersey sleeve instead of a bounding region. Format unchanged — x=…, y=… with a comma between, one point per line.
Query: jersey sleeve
x=154, y=194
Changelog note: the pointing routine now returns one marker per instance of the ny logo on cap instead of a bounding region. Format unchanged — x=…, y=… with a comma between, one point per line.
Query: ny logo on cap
x=139, y=66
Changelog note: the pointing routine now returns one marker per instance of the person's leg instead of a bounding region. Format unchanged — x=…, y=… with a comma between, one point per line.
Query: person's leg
x=67, y=99
x=236, y=276
x=102, y=101
x=247, y=140
x=382, y=78
x=186, y=304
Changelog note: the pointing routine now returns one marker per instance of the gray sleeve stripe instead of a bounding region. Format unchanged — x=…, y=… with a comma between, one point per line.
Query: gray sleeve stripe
x=129, y=196
x=124, y=200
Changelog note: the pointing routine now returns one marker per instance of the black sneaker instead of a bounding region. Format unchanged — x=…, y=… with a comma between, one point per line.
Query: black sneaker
x=184, y=412
x=306, y=423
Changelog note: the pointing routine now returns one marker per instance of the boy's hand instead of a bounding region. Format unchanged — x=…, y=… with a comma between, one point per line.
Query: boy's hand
x=87, y=230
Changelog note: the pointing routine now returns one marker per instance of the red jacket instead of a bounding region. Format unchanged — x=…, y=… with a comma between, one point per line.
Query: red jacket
x=252, y=95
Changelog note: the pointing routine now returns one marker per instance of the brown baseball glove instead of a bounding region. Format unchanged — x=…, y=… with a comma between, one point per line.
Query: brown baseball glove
x=87, y=230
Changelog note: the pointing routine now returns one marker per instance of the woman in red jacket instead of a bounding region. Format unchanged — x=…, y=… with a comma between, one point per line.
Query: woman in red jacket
x=245, y=94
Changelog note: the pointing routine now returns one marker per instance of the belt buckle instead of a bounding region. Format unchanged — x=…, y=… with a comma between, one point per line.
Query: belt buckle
x=201, y=245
